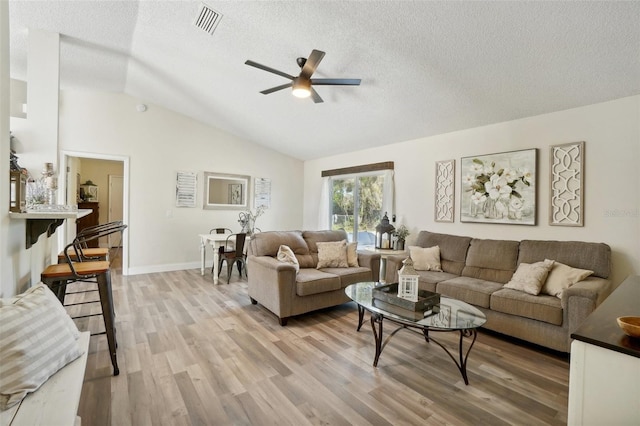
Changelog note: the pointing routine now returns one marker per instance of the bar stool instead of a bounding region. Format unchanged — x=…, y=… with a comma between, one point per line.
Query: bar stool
x=58, y=276
x=76, y=268
x=91, y=253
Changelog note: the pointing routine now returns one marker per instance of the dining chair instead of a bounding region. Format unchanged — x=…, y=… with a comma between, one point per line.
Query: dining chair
x=220, y=231
x=232, y=252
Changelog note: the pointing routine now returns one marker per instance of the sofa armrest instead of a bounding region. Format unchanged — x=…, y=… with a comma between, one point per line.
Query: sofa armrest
x=269, y=262
x=582, y=298
x=272, y=283
x=372, y=261
x=394, y=264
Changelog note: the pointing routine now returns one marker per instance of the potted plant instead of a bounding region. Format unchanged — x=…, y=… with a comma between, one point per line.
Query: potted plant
x=401, y=234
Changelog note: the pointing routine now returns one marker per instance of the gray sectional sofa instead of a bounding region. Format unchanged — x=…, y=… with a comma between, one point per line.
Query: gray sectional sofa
x=475, y=271
x=277, y=286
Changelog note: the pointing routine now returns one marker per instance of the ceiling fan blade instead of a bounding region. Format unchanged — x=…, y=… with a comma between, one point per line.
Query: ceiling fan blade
x=336, y=81
x=316, y=98
x=268, y=69
x=275, y=89
x=312, y=63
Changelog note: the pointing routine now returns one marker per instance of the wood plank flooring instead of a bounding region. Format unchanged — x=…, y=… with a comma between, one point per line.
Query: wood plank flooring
x=191, y=353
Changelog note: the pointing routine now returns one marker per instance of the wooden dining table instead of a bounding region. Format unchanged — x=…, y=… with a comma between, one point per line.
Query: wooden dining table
x=215, y=241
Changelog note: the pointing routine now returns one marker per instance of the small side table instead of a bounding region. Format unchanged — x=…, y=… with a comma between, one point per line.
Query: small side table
x=384, y=253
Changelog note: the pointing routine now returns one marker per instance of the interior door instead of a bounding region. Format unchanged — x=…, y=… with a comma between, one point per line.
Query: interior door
x=115, y=205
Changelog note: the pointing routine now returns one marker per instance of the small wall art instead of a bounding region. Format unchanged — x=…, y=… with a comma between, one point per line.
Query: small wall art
x=499, y=188
x=566, y=207
x=445, y=191
x=186, y=183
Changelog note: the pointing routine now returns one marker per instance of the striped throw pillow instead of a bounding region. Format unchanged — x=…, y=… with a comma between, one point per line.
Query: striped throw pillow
x=37, y=338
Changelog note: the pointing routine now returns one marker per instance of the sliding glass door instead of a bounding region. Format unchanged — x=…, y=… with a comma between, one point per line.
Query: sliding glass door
x=356, y=205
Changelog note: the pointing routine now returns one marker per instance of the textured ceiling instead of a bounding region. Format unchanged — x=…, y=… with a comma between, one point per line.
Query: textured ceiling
x=426, y=67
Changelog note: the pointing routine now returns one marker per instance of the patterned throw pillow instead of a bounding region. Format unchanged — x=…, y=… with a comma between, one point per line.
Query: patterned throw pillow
x=425, y=259
x=561, y=277
x=530, y=277
x=352, y=255
x=332, y=255
x=285, y=254
x=37, y=338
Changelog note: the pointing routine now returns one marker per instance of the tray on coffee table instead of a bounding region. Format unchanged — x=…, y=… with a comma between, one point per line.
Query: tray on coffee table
x=427, y=300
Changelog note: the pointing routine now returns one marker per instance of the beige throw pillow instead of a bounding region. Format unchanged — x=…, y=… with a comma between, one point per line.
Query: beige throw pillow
x=561, y=277
x=530, y=277
x=332, y=254
x=352, y=255
x=286, y=255
x=36, y=340
x=425, y=259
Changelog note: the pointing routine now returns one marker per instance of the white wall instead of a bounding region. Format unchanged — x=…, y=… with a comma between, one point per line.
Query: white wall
x=159, y=143
x=19, y=267
x=6, y=276
x=611, y=132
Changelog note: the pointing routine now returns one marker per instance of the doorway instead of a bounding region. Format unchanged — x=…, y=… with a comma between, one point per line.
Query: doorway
x=115, y=206
x=69, y=193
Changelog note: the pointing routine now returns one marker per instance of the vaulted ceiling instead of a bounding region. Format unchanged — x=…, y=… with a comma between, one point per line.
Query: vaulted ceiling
x=427, y=67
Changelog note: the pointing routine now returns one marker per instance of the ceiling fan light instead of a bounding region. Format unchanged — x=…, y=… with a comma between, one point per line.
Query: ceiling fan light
x=301, y=88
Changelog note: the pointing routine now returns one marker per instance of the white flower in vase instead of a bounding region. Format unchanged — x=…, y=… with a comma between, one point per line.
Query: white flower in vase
x=515, y=207
x=497, y=187
x=478, y=198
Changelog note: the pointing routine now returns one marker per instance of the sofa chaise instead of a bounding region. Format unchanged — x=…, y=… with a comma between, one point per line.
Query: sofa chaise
x=476, y=271
x=278, y=287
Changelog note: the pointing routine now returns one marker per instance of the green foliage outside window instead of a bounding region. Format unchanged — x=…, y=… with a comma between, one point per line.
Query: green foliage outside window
x=366, y=193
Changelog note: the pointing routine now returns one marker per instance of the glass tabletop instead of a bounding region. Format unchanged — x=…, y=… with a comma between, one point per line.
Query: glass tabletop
x=449, y=314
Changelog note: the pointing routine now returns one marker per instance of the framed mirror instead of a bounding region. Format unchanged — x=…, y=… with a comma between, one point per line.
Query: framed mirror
x=226, y=191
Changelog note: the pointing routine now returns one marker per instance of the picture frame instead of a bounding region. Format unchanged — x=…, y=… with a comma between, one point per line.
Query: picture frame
x=186, y=186
x=225, y=191
x=444, y=202
x=235, y=193
x=566, y=180
x=499, y=188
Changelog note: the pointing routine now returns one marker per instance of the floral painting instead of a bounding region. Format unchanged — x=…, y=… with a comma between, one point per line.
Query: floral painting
x=499, y=188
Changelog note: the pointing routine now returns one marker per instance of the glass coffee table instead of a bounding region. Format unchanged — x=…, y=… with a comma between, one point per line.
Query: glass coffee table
x=450, y=315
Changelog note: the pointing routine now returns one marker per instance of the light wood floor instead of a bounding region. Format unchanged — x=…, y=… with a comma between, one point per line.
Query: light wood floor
x=194, y=353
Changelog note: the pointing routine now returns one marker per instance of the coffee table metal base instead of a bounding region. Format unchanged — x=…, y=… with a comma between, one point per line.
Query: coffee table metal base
x=376, y=324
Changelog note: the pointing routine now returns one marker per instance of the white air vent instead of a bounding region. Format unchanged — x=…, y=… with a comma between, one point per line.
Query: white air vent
x=207, y=19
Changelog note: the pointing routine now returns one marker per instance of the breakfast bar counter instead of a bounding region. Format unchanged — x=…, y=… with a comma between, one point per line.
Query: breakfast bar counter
x=604, y=376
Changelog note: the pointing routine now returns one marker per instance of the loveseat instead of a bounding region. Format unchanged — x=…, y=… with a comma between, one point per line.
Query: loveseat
x=278, y=287
x=476, y=271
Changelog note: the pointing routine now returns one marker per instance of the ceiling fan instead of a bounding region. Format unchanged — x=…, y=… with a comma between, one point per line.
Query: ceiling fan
x=302, y=84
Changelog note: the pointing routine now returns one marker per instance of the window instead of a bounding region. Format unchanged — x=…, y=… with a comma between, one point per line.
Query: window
x=356, y=206
x=357, y=201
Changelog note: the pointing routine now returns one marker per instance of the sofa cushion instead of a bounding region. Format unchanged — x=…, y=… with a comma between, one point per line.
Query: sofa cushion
x=313, y=237
x=542, y=307
x=352, y=254
x=332, y=254
x=453, y=249
x=471, y=290
x=350, y=275
x=427, y=280
x=530, y=277
x=491, y=260
x=268, y=243
x=313, y=281
x=37, y=338
x=561, y=277
x=595, y=257
x=425, y=258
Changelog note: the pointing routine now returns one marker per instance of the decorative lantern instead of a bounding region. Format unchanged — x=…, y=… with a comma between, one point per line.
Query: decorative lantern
x=408, y=281
x=384, y=231
x=89, y=191
x=18, y=192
